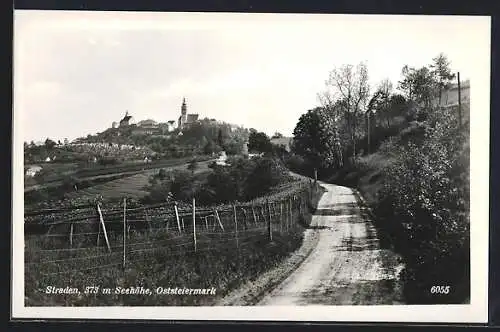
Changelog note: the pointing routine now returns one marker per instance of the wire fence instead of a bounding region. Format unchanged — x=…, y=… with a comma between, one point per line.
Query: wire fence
x=113, y=237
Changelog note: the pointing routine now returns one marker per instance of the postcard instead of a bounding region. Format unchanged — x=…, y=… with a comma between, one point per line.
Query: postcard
x=256, y=167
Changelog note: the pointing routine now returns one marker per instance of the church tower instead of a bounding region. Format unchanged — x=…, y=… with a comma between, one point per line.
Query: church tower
x=184, y=107
x=183, y=117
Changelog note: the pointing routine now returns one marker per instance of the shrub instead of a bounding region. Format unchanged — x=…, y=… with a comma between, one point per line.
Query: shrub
x=425, y=202
x=268, y=173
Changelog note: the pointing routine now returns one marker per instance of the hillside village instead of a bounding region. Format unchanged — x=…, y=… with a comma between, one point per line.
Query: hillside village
x=146, y=140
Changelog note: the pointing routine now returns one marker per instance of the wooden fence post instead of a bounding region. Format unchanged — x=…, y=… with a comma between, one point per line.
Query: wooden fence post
x=269, y=230
x=300, y=204
x=124, y=229
x=244, y=219
x=235, y=226
x=290, y=203
x=194, y=223
x=71, y=236
x=147, y=220
x=177, y=217
x=281, y=216
x=103, y=227
x=263, y=212
x=254, y=216
x=288, y=220
x=99, y=234
x=218, y=219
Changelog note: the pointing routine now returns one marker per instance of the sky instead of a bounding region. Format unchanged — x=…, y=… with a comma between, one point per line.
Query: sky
x=77, y=72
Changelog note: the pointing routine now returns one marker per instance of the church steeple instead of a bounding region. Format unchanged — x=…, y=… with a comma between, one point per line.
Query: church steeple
x=183, y=107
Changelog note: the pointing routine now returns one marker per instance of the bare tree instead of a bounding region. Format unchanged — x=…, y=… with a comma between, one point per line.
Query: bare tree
x=349, y=85
x=382, y=97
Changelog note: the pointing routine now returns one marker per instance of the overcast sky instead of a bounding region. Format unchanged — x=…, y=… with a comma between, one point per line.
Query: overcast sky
x=77, y=72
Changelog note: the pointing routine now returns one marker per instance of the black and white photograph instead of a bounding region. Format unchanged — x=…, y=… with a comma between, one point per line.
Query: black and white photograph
x=244, y=166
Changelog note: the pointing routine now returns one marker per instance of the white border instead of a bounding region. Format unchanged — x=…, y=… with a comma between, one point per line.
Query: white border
x=476, y=312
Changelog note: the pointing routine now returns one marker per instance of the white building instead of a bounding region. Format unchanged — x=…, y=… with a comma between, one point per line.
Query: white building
x=33, y=170
x=221, y=161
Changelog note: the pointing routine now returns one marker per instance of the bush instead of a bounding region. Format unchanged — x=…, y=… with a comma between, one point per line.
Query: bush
x=244, y=179
x=268, y=173
x=427, y=192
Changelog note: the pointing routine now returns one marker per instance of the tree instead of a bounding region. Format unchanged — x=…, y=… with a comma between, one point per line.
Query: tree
x=442, y=73
x=277, y=135
x=259, y=141
x=211, y=147
x=315, y=139
x=380, y=101
x=220, y=138
x=349, y=85
x=49, y=144
x=418, y=85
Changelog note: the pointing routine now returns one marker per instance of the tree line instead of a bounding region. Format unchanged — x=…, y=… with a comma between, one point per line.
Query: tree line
x=351, y=112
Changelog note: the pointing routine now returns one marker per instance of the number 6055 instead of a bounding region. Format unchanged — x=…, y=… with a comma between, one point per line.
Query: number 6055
x=440, y=289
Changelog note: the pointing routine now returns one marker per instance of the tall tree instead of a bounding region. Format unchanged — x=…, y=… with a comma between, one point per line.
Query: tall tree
x=380, y=101
x=418, y=85
x=441, y=70
x=49, y=144
x=220, y=138
x=348, y=84
x=259, y=141
x=314, y=139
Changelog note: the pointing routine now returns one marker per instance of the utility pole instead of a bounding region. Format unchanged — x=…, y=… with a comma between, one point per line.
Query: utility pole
x=459, y=101
x=369, y=130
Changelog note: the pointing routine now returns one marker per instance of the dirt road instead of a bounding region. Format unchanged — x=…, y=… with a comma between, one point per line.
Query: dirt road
x=345, y=264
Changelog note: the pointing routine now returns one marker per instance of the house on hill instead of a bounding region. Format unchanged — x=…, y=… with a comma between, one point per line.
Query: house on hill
x=170, y=126
x=449, y=96
x=147, y=127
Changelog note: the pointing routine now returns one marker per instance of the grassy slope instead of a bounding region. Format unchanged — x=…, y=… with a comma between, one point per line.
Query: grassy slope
x=132, y=186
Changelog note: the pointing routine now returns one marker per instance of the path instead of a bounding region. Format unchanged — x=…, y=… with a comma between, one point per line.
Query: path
x=347, y=266
x=340, y=262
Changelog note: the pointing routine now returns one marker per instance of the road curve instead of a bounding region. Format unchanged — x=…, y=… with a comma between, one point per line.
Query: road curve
x=347, y=266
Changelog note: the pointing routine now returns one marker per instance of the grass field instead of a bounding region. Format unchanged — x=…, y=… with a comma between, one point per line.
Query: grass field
x=131, y=186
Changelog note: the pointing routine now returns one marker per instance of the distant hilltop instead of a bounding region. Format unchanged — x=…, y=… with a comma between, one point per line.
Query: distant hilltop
x=151, y=127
